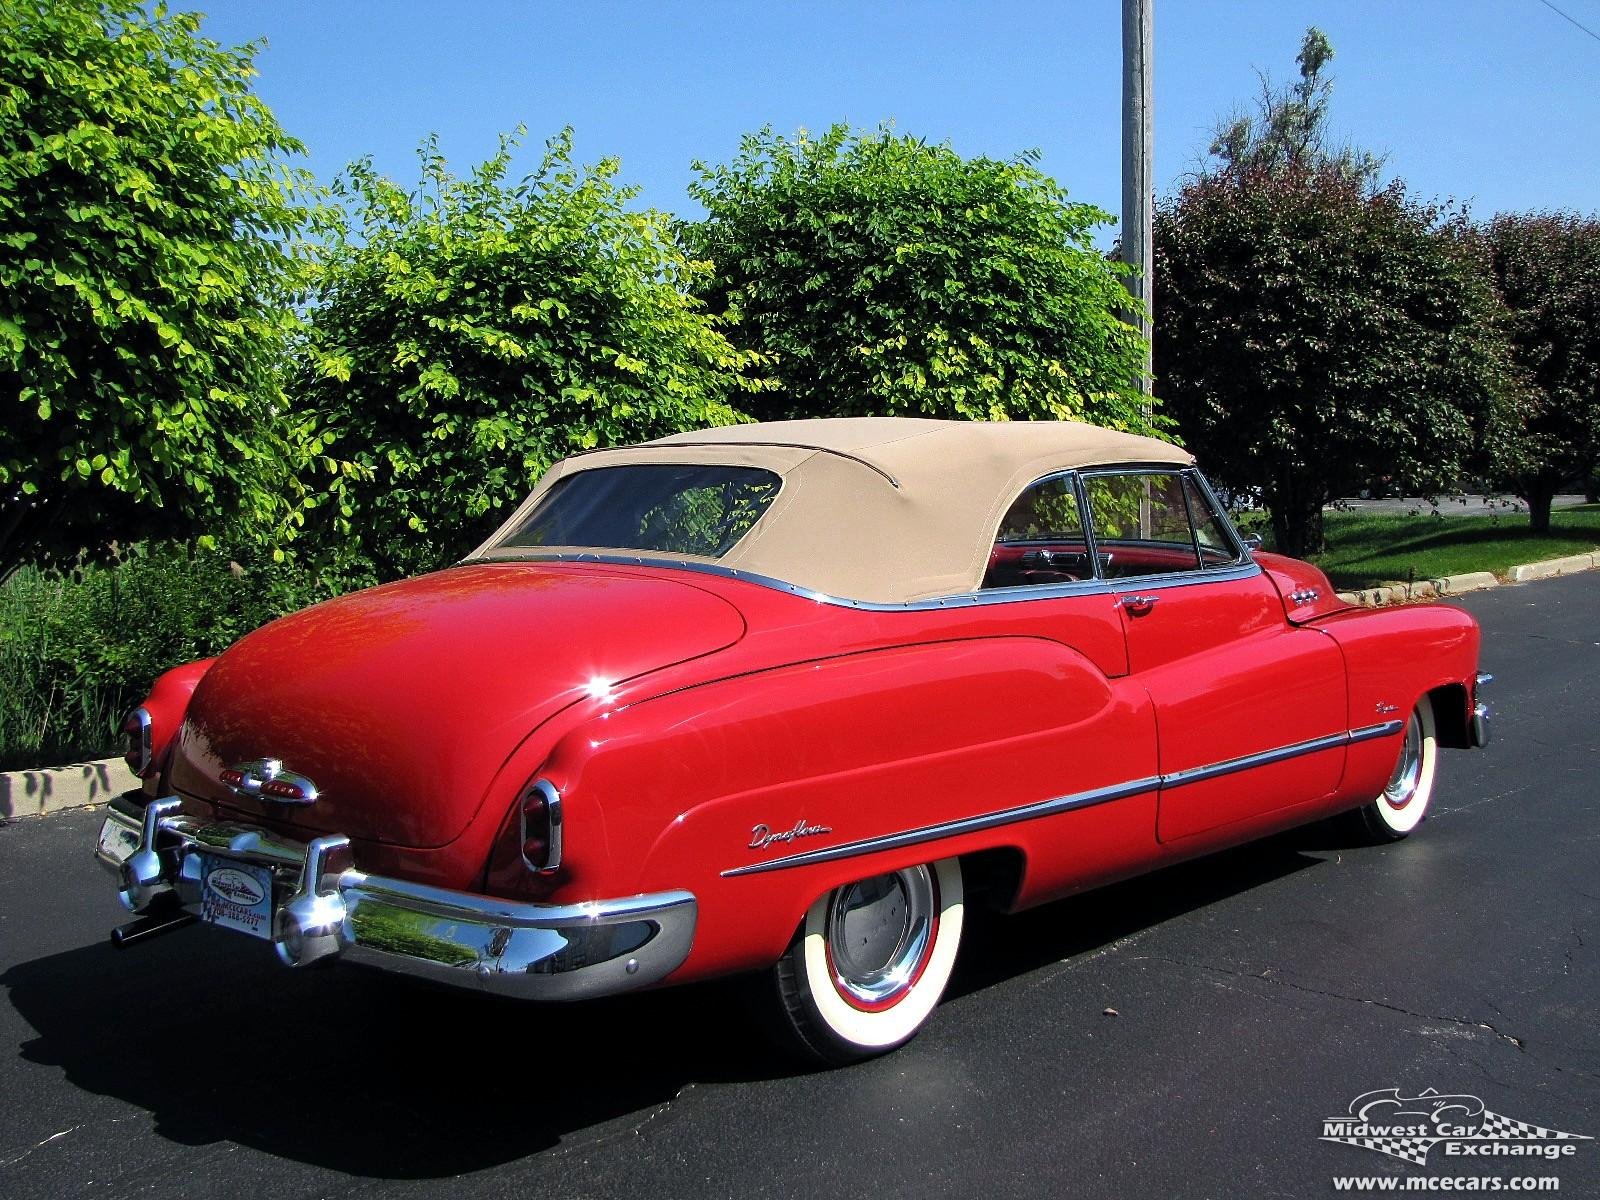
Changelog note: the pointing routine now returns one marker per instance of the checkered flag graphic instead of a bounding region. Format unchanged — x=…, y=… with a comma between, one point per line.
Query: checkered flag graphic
x=1503, y=1128
x=1412, y=1149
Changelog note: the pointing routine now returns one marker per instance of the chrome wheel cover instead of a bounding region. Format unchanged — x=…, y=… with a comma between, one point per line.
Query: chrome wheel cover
x=1407, y=777
x=879, y=934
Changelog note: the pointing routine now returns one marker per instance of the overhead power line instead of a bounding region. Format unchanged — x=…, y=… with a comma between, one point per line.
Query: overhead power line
x=1569, y=17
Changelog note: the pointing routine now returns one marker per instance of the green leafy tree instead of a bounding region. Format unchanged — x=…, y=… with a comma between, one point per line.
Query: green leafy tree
x=1547, y=267
x=874, y=273
x=469, y=333
x=1316, y=336
x=1289, y=127
x=149, y=254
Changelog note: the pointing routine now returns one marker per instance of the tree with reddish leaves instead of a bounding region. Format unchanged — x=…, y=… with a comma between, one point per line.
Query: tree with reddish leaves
x=1316, y=332
x=1315, y=336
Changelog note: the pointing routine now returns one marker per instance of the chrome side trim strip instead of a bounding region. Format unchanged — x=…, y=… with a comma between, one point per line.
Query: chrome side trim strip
x=1383, y=729
x=1088, y=587
x=1281, y=754
x=928, y=833
x=1264, y=758
x=1047, y=808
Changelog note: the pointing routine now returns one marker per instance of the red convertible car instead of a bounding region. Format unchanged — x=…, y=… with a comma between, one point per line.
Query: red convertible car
x=777, y=697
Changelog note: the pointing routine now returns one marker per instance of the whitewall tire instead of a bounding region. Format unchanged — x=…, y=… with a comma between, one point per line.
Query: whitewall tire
x=871, y=961
x=1403, y=803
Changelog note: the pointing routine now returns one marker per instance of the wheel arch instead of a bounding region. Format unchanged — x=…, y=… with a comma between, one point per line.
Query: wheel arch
x=1452, y=716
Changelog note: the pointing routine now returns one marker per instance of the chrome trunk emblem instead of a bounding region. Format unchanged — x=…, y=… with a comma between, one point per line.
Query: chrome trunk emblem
x=265, y=779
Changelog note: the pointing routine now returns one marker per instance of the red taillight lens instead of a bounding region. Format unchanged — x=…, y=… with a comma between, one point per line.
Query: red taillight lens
x=136, y=740
x=541, y=826
x=527, y=854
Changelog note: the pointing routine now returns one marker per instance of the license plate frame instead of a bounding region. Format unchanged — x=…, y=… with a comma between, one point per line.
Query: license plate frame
x=236, y=895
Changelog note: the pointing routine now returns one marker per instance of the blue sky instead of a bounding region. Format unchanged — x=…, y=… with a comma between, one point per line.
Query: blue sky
x=1492, y=102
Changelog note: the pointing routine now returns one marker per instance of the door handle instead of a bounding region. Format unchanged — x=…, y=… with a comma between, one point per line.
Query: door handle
x=1139, y=605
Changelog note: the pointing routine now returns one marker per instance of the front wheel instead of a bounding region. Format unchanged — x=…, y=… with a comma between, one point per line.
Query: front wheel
x=1403, y=803
x=870, y=962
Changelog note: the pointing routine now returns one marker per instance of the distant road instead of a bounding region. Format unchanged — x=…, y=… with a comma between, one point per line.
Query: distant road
x=1454, y=506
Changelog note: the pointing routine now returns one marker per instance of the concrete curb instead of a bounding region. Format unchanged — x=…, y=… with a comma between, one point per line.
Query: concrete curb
x=53, y=789
x=1472, y=581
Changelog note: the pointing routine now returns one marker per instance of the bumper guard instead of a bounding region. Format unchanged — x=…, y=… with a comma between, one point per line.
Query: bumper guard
x=323, y=909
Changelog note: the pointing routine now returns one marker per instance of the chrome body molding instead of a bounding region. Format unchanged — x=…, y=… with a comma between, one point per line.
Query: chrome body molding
x=1060, y=804
x=324, y=909
x=1231, y=766
x=928, y=833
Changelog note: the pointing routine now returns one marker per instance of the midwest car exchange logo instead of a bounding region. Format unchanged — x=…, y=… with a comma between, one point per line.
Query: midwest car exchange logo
x=1408, y=1127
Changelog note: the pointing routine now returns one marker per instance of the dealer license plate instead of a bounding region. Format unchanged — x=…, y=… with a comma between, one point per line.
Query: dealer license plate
x=236, y=895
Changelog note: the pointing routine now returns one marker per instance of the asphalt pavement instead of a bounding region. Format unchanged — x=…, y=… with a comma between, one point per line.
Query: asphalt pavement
x=1181, y=1035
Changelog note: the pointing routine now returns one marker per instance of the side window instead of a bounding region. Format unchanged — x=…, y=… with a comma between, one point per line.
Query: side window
x=1141, y=523
x=1041, y=538
x=1217, y=547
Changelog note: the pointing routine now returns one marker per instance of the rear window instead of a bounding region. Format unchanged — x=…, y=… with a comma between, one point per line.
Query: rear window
x=672, y=509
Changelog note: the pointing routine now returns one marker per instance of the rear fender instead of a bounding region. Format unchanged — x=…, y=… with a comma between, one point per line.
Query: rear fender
x=697, y=787
x=166, y=705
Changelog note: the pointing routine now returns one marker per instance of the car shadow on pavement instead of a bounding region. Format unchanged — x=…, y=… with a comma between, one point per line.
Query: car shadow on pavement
x=381, y=1076
x=370, y=1074
x=1002, y=946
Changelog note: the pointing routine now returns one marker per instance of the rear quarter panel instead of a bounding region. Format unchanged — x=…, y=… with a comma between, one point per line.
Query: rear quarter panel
x=688, y=785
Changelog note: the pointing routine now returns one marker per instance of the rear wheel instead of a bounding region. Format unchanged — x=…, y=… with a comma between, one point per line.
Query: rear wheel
x=870, y=962
x=1403, y=803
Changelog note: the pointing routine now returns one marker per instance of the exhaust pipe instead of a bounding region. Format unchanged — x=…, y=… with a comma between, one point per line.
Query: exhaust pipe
x=146, y=928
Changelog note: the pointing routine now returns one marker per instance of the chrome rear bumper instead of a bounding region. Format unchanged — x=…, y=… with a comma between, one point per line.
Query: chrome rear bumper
x=325, y=909
x=1479, y=727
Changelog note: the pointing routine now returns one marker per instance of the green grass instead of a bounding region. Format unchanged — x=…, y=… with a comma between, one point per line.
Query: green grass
x=1368, y=549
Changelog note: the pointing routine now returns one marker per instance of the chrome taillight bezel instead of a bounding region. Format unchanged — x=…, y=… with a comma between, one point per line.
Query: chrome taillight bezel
x=550, y=826
x=136, y=729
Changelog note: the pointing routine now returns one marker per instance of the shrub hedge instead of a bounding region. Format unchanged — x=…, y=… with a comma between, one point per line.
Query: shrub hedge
x=79, y=648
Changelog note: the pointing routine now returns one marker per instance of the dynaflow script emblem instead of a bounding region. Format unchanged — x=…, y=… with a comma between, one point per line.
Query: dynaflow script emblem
x=762, y=835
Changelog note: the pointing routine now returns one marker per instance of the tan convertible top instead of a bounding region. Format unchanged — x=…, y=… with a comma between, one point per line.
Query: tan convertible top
x=885, y=509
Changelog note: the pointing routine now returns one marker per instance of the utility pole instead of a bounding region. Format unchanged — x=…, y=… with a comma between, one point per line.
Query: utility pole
x=1138, y=163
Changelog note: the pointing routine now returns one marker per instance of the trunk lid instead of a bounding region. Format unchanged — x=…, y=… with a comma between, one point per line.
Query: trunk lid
x=401, y=703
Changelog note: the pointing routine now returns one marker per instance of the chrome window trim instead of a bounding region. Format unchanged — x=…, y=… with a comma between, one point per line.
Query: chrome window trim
x=1049, y=591
x=1067, y=803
